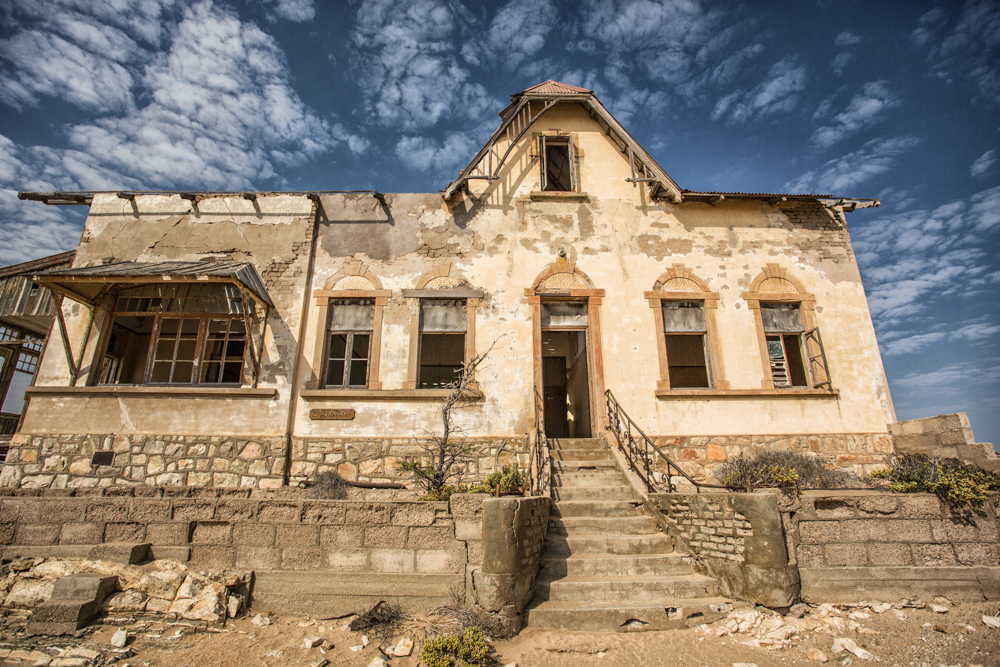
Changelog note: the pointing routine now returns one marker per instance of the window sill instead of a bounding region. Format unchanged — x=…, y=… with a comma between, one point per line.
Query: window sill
x=555, y=195
x=142, y=391
x=791, y=392
x=382, y=394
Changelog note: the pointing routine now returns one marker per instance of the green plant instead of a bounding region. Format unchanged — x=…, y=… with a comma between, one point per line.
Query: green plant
x=443, y=493
x=954, y=482
x=468, y=648
x=509, y=479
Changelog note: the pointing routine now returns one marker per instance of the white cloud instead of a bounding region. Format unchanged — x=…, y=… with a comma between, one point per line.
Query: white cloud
x=847, y=38
x=409, y=71
x=294, y=10
x=970, y=51
x=778, y=93
x=864, y=109
x=840, y=61
x=875, y=158
x=911, y=344
x=516, y=33
x=428, y=154
x=983, y=163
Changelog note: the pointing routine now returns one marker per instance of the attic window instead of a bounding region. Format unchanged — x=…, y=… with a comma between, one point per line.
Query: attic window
x=558, y=168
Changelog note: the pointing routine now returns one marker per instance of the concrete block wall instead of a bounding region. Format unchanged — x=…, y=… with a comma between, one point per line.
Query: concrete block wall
x=375, y=459
x=65, y=461
x=945, y=436
x=873, y=529
x=702, y=457
x=708, y=527
x=237, y=529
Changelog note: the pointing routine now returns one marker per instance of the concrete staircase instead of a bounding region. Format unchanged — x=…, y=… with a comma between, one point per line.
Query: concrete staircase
x=606, y=564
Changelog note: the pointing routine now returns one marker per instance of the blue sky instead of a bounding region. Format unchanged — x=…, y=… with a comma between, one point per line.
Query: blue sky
x=899, y=101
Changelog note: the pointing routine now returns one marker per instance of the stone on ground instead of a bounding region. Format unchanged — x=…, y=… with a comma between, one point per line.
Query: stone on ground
x=120, y=638
x=816, y=654
x=311, y=642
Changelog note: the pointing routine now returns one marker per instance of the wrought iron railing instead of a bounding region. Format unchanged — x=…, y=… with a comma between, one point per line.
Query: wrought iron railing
x=641, y=452
x=539, y=466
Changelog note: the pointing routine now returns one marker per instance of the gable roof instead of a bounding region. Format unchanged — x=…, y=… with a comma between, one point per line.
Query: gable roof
x=531, y=104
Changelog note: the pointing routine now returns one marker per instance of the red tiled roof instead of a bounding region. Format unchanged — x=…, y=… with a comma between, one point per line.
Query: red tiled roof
x=554, y=87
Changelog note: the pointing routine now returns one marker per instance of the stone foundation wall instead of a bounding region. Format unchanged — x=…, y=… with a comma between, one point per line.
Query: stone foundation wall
x=945, y=436
x=702, y=456
x=375, y=459
x=64, y=461
x=710, y=526
x=235, y=529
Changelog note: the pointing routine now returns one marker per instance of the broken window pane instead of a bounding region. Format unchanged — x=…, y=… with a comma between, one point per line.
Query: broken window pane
x=781, y=317
x=785, y=355
x=557, y=165
x=686, y=363
x=681, y=316
x=443, y=315
x=442, y=357
x=557, y=314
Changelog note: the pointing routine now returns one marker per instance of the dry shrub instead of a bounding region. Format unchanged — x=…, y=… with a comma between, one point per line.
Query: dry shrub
x=329, y=485
x=785, y=469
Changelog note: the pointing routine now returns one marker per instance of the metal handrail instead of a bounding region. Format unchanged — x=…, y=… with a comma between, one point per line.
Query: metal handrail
x=539, y=470
x=639, y=449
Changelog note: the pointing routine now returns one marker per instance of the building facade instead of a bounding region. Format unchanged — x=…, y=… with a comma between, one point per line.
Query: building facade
x=257, y=339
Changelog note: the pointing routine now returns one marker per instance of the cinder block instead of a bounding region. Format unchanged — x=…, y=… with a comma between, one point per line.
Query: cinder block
x=127, y=553
x=19, y=511
x=193, y=509
x=319, y=512
x=820, y=532
x=933, y=554
x=385, y=536
x=125, y=532
x=412, y=514
x=7, y=531
x=877, y=505
x=213, y=557
x=467, y=505
x=62, y=511
x=37, y=533
x=948, y=530
x=175, y=533
x=297, y=535
x=233, y=509
x=367, y=513
x=211, y=532
x=834, y=508
x=253, y=534
x=81, y=533
x=977, y=554
x=468, y=529
x=809, y=555
x=889, y=553
x=147, y=511
x=392, y=560
x=475, y=551
x=301, y=559
x=441, y=561
x=258, y=558
x=349, y=560
x=846, y=555
x=103, y=510
x=341, y=537
x=276, y=511
x=908, y=531
x=431, y=537
x=863, y=530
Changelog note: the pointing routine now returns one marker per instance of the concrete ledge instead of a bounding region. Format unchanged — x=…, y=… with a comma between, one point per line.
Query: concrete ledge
x=192, y=391
x=382, y=394
x=791, y=392
x=851, y=584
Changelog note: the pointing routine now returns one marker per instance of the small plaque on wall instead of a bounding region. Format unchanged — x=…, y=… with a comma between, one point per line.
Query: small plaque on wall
x=326, y=413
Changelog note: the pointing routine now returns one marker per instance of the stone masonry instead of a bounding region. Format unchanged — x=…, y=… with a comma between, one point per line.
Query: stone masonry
x=714, y=529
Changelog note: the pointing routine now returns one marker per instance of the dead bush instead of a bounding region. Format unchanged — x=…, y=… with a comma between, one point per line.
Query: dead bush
x=780, y=468
x=329, y=485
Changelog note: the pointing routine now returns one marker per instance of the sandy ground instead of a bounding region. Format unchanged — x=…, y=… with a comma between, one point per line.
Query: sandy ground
x=911, y=641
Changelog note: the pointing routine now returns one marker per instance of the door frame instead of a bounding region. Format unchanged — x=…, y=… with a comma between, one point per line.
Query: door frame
x=595, y=357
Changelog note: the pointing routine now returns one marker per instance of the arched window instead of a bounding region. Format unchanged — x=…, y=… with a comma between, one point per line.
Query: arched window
x=792, y=352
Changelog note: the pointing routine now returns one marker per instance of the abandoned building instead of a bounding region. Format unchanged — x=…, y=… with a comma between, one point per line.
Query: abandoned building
x=245, y=342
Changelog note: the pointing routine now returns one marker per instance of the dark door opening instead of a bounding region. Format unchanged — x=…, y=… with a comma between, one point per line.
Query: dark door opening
x=566, y=384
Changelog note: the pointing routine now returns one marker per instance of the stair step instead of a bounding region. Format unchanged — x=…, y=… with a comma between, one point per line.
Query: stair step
x=659, y=614
x=592, y=493
x=615, y=566
x=584, y=589
x=579, y=454
x=619, y=525
x=587, y=478
x=596, y=508
x=580, y=443
x=601, y=544
x=583, y=466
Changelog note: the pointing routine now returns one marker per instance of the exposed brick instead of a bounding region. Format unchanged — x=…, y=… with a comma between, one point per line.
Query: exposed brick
x=833, y=508
x=14, y=511
x=80, y=533
x=954, y=531
x=253, y=534
x=295, y=535
x=385, y=536
x=125, y=531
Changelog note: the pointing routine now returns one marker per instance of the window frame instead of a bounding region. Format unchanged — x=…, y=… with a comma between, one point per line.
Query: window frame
x=330, y=332
x=247, y=315
x=713, y=353
x=544, y=141
x=471, y=297
x=30, y=347
x=324, y=297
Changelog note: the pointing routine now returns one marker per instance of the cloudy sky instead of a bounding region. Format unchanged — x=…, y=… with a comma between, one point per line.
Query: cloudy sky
x=894, y=100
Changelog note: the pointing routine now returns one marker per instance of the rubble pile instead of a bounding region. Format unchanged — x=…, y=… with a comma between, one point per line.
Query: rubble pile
x=158, y=587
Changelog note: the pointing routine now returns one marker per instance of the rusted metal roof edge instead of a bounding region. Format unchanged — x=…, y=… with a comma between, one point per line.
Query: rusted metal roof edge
x=850, y=203
x=37, y=264
x=64, y=198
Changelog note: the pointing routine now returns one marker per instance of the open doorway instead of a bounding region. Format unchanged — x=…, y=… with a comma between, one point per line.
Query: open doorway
x=566, y=384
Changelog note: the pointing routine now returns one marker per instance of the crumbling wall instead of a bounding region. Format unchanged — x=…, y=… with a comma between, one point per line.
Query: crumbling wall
x=944, y=436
